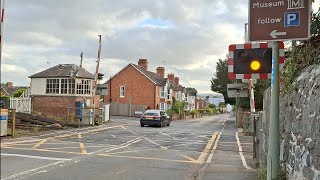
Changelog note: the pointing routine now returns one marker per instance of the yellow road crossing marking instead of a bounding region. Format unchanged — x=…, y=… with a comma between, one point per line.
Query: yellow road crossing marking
x=39, y=143
x=122, y=152
x=83, y=149
x=206, y=150
x=187, y=157
x=148, y=158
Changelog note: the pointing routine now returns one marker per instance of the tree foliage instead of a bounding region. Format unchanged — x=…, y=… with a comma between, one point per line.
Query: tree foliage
x=192, y=90
x=19, y=92
x=220, y=80
x=299, y=57
x=219, y=84
x=315, y=24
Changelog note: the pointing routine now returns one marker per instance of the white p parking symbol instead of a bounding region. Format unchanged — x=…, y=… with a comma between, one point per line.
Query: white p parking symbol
x=291, y=19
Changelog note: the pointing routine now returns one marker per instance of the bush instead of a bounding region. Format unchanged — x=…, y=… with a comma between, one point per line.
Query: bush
x=187, y=112
x=213, y=106
x=222, y=104
x=194, y=112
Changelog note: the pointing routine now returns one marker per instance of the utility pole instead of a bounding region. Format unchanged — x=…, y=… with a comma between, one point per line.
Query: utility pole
x=2, y=8
x=96, y=78
x=81, y=57
x=274, y=142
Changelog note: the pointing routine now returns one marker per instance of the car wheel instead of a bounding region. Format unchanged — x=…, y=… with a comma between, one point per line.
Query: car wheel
x=161, y=124
x=168, y=124
x=142, y=125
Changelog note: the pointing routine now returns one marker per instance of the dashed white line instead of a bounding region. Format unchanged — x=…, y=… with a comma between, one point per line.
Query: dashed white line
x=244, y=163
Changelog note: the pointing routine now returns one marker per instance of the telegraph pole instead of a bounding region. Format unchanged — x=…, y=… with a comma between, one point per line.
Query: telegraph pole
x=96, y=78
x=274, y=139
x=81, y=57
x=2, y=8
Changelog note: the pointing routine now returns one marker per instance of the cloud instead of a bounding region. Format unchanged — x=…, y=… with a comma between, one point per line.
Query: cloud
x=186, y=36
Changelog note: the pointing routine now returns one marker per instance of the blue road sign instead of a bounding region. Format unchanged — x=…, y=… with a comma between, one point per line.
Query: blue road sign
x=291, y=19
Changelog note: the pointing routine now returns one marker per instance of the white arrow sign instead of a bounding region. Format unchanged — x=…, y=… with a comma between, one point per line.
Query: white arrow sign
x=274, y=34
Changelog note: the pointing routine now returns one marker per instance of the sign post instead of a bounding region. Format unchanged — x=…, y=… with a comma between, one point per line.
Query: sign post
x=276, y=21
x=274, y=138
x=271, y=20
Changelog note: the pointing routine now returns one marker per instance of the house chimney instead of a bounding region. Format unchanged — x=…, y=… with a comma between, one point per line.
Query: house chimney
x=176, y=80
x=171, y=77
x=143, y=63
x=160, y=71
x=9, y=84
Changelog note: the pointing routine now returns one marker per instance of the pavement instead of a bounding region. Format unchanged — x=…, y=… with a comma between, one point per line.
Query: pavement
x=231, y=157
x=204, y=148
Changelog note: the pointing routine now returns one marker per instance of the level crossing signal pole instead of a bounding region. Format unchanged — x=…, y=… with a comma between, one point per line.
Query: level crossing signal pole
x=273, y=164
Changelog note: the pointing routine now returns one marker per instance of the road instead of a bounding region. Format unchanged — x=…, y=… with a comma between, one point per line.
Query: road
x=118, y=150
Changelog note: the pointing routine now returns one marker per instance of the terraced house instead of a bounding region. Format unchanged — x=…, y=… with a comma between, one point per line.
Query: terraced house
x=138, y=85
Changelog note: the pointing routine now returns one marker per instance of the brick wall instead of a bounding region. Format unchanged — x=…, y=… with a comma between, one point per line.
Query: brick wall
x=138, y=88
x=55, y=106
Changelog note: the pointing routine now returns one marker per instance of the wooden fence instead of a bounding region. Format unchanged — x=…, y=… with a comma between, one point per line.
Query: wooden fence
x=131, y=110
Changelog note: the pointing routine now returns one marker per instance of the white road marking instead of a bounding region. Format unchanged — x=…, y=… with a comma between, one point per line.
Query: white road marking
x=162, y=147
x=20, y=175
x=36, y=157
x=244, y=163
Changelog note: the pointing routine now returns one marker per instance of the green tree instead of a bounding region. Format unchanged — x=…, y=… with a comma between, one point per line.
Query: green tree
x=192, y=90
x=220, y=80
x=178, y=107
x=259, y=89
x=315, y=24
x=212, y=106
x=219, y=84
x=19, y=92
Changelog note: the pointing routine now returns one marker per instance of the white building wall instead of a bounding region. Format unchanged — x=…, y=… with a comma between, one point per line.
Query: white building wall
x=38, y=86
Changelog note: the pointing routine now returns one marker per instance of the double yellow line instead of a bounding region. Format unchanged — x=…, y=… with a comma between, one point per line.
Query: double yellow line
x=206, y=150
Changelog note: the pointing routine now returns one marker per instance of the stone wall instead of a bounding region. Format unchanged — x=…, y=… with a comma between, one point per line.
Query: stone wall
x=299, y=127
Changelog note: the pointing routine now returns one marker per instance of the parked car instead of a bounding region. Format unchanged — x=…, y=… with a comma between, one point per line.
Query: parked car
x=155, y=118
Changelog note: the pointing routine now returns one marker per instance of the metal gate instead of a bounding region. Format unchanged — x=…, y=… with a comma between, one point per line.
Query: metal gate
x=22, y=103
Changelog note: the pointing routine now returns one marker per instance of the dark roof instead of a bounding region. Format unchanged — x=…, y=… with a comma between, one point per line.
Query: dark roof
x=13, y=89
x=63, y=70
x=151, y=75
x=179, y=88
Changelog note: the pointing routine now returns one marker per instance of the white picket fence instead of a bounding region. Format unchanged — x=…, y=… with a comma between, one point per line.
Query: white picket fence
x=22, y=103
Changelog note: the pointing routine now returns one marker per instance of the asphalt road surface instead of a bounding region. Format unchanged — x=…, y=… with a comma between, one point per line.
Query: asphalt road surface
x=117, y=150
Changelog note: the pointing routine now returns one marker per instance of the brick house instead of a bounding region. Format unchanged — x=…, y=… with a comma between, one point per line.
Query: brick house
x=137, y=85
x=9, y=89
x=201, y=104
x=56, y=90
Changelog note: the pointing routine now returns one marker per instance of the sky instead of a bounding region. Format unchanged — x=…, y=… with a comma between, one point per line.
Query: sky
x=187, y=37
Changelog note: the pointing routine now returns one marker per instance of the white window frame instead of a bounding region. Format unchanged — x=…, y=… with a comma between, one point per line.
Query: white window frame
x=84, y=87
x=163, y=107
x=178, y=96
x=122, y=91
x=53, y=86
x=163, y=92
